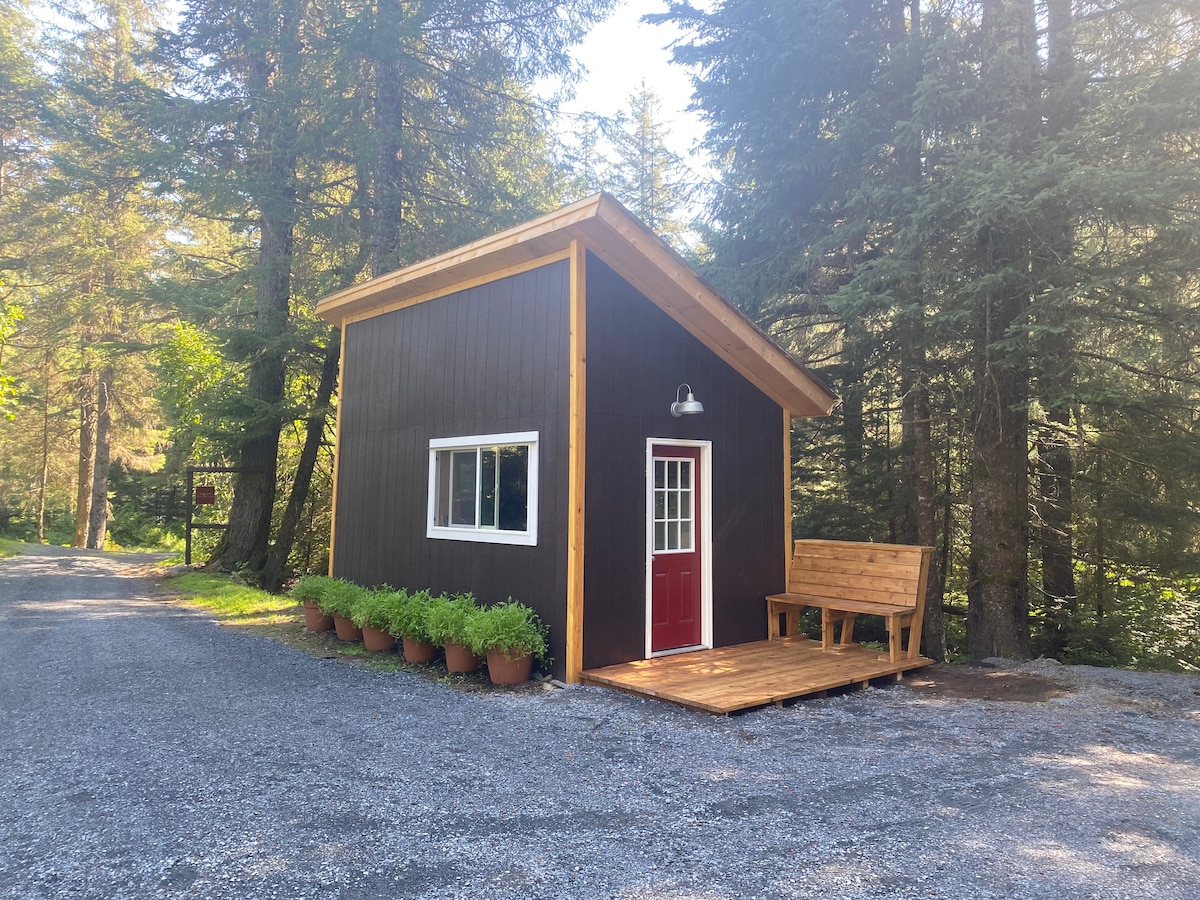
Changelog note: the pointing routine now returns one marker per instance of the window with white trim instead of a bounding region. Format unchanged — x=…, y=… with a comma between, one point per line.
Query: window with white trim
x=484, y=488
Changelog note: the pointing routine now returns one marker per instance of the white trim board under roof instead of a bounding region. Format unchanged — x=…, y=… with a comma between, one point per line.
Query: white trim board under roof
x=622, y=242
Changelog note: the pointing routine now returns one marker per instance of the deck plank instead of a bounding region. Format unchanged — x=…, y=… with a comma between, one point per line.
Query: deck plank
x=744, y=676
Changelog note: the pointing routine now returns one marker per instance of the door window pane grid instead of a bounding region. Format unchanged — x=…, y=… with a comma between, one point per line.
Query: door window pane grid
x=674, y=505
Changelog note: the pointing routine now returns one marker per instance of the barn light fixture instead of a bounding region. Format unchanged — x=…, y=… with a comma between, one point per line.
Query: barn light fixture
x=688, y=407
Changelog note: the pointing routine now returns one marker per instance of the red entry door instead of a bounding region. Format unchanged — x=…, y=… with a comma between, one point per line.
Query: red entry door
x=675, y=619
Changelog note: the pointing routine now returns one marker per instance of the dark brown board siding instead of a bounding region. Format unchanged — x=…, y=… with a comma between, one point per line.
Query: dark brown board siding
x=488, y=360
x=636, y=358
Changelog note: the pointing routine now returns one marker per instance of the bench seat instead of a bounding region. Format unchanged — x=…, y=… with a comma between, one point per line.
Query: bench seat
x=845, y=579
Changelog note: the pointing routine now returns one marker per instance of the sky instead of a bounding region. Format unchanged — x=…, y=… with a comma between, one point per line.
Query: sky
x=619, y=53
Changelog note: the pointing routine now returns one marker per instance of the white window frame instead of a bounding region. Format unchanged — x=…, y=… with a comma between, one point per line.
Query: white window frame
x=528, y=537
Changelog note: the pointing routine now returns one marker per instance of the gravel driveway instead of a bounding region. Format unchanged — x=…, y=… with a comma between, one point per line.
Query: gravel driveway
x=151, y=753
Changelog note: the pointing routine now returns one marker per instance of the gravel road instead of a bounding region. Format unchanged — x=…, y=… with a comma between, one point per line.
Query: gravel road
x=150, y=753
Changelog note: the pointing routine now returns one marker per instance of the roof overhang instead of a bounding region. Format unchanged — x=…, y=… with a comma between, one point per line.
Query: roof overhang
x=609, y=231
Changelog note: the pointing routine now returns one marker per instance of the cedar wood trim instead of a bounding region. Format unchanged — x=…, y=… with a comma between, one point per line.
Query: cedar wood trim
x=576, y=461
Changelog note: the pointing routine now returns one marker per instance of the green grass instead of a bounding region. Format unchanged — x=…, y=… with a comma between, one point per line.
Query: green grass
x=279, y=618
x=10, y=547
x=233, y=603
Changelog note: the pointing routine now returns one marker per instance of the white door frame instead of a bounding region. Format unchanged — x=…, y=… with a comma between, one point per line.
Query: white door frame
x=706, y=557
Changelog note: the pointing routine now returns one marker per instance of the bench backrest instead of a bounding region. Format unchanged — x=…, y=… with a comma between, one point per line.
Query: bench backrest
x=879, y=573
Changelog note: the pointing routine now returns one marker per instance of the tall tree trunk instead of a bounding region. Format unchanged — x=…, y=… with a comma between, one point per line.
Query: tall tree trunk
x=244, y=544
x=916, y=439
x=997, y=589
x=1055, y=359
x=1055, y=522
x=921, y=518
x=853, y=392
x=276, y=569
x=246, y=538
x=387, y=205
x=384, y=220
x=87, y=455
x=44, y=474
x=98, y=515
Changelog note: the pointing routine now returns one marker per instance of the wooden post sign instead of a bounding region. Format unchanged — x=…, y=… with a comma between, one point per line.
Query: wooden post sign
x=205, y=495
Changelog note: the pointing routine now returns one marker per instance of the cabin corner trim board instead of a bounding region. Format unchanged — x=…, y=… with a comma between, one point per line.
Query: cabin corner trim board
x=337, y=445
x=706, y=543
x=576, y=453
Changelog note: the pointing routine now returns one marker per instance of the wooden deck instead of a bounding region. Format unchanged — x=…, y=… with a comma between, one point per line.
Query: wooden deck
x=730, y=679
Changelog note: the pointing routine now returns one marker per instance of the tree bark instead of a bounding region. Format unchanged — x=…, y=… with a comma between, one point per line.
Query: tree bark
x=44, y=474
x=1055, y=525
x=921, y=518
x=1056, y=361
x=387, y=206
x=98, y=514
x=920, y=525
x=273, y=85
x=87, y=455
x=997, y=589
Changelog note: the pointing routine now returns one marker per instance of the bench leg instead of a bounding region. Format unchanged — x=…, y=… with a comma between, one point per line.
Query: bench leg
x=772, y=622
x=895, y=628
x=830, y=618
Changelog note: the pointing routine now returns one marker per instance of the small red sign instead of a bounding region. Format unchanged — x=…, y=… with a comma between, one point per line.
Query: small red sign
x=206, y=495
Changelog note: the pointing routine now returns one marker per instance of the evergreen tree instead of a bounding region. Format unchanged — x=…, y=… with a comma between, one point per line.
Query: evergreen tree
x=22, y=94
x=410, y=123
x=646, y=175
x=946, y=214
x=109, y=233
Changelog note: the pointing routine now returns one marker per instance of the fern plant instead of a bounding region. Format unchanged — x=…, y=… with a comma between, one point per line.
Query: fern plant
x=510, y=628
x=447, y=618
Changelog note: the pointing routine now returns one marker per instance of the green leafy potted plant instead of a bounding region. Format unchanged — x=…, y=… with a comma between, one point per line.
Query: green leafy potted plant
x=373, y=614
x=447, y=621
x=338, y=601
x=410, y=622
x=309, y=590
x=511, y=636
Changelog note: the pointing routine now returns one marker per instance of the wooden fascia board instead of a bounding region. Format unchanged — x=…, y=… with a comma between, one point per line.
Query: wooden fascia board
x=512, y=247
x=407, y=298
x=672, y=285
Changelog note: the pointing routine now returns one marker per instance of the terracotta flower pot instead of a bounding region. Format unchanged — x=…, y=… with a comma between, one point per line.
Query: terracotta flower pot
x=418, y=651
x=376, y=640
x=503, y=670
x=314, y=619
x=460, y=658
x=346, y=629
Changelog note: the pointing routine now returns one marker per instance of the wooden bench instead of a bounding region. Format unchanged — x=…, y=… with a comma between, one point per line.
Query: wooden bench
x=845, y=579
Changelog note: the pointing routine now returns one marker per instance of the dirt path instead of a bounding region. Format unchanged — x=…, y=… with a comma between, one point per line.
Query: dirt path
x=150, y=753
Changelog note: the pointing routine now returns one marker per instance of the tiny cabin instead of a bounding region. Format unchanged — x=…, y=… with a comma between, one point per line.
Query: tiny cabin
x=566, y=414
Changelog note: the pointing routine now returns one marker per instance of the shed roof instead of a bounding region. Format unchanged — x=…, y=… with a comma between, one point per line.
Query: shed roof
x=613, y=234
